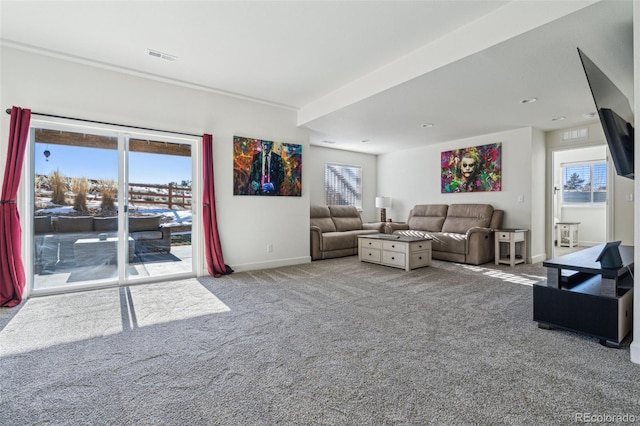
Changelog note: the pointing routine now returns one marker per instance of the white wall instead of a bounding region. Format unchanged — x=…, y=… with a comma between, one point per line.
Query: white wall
x=319, y=156
x=593, y=219
x=246, y=224
x=623, y=205
x=635, y=345
x=538, y=194
x=413, y=177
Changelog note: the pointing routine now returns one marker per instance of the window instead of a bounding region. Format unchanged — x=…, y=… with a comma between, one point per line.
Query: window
x=584, y=183
x=343, y=185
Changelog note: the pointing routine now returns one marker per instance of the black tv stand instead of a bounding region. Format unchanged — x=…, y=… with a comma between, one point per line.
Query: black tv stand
x=581, y=296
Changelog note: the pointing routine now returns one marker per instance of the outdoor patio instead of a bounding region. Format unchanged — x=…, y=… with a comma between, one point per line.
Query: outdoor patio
x=179, y=260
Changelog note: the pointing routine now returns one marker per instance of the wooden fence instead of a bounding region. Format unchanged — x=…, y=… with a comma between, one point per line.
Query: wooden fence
x=169, y=195
x=142, y=193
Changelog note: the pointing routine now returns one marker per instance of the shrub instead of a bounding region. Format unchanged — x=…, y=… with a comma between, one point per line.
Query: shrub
x=58, y=188
x=80, y=187
x=108, y=191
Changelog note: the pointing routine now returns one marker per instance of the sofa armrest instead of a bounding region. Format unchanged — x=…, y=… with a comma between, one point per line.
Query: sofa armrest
x=478, y=230
x=376, y=226
x=391, y=227
x=316, y=243
x=480, y=245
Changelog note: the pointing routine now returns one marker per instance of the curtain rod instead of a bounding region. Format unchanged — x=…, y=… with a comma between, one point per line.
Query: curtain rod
x=8, y=111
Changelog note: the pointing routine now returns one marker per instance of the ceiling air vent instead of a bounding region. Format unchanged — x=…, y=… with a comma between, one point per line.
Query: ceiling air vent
x=575, y=134
x=161, y=55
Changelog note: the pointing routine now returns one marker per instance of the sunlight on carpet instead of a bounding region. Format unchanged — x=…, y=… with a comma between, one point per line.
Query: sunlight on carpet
x=172, y=301
x=74, y=317
x=512, y=277
x=46, y=321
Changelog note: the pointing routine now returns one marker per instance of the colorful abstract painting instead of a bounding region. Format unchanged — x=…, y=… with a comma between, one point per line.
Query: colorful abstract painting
x=477, y=168
x=263, y=167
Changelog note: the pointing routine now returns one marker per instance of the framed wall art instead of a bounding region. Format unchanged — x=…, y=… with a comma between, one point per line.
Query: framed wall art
x=268, y=168
x=477, y=168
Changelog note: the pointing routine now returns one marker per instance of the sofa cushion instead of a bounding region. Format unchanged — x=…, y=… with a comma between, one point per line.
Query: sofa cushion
x=496, y=219
x=75, y=224
x=321, y=217
x=42, y=225
x=345, y=218
x=105, y=224
x=427, y=217
x=147, y=235
x=461, y=217
x=144, y=223
x=412, y=233
x=449, y=242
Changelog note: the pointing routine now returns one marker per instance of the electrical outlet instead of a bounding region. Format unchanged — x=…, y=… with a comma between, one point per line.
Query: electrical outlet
x=269, y=248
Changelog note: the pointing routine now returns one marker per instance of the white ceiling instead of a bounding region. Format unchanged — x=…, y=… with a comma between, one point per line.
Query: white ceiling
x=356, y=70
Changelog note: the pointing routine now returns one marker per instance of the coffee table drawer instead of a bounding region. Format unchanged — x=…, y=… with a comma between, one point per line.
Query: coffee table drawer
x=368, y=243
x=420, y=246
x=369, y=254
x=420, y=258
x=393, y=246
x=393, y=258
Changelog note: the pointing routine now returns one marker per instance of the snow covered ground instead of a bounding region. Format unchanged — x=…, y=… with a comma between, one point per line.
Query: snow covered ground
x=173, y=217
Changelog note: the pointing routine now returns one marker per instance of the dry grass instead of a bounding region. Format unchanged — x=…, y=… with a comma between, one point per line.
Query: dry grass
x=80, y=187
x=58, y=187
x=108, y=191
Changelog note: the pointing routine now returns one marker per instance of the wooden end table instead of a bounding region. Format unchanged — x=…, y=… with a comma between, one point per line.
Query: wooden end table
x=512, y=238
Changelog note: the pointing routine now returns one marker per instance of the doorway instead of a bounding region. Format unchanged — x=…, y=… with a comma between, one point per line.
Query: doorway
x=582, y=192
x=110, y=206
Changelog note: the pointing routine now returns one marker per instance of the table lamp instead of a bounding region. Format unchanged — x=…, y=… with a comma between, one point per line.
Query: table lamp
x=382, y=203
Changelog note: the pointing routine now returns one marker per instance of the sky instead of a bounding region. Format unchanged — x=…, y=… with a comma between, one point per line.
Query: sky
x=95, y=163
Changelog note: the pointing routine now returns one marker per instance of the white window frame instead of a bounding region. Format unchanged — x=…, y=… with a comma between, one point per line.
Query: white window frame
x=339, y=192
x=591, y=164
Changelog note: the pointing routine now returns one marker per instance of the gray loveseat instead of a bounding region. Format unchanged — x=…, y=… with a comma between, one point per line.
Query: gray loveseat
x=335, y=230
x=460, y=232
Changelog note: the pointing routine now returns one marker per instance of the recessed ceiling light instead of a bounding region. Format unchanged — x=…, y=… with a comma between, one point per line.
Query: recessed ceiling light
x=558, y=118
x=528, y=100
x=589, y=115
x=365, y=140
x=427, y=125
x=165, y=56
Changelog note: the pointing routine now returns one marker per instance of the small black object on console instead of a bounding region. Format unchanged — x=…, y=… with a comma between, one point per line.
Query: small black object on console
x=609, y=257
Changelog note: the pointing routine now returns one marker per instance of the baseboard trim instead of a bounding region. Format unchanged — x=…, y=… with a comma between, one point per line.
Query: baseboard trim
x=244, y=267
x=635, y=351
x=539, y=258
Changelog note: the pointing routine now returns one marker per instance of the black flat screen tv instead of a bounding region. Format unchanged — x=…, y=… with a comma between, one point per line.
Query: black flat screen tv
x=615, y=116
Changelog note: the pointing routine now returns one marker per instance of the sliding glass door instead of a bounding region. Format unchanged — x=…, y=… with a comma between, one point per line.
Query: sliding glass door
x=160, y=207
x=109, y=207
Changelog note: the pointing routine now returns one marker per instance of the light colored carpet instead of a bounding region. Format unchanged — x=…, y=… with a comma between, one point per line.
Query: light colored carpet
x=331, y=342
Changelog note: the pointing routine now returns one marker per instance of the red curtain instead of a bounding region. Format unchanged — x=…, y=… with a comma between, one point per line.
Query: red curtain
x=212, y=248
x=12, y=277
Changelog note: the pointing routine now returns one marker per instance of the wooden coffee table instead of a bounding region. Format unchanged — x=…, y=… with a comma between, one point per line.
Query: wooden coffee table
x=398, y=251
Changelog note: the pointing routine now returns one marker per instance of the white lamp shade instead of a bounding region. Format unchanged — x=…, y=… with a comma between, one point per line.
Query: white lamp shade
x=383, y=202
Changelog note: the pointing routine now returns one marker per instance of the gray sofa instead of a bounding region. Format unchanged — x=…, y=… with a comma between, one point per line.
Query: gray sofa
x=335, y=230
x=55, y=236
x=460, y=232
